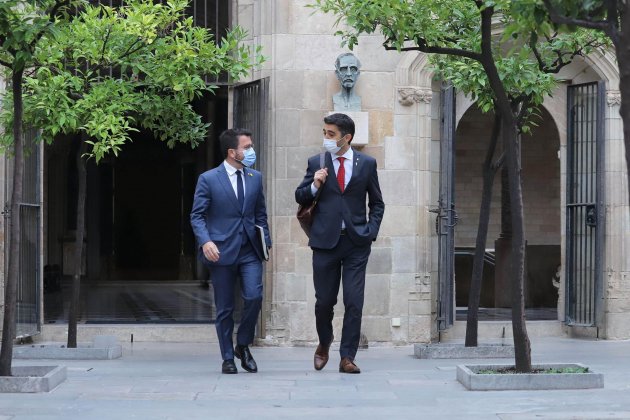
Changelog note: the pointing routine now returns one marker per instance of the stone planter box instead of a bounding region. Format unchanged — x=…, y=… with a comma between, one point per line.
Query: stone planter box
x=32, y=379
x=102, y=348
x=467, y=375
x=459, y=351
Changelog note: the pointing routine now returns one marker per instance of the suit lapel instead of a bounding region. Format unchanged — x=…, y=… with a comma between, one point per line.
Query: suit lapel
x=227, y=186
x=328, y=162
x=357, y=166
x=248, y=178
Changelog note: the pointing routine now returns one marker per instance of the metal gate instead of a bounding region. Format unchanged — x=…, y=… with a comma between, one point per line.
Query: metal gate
x=585, y=203
x=251, y=105
x=28, y=303
x=446, y=216
x=250, y=111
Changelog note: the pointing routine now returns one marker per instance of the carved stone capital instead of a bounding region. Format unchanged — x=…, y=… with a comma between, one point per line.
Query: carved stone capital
x=410, y=95
x=613, y=98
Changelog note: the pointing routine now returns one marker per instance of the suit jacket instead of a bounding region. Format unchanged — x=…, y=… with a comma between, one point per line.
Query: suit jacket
x=349, y=206
x=216, y=215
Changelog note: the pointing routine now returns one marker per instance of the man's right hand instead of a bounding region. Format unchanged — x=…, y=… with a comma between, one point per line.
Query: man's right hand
x=211, y=251
x=320, y=177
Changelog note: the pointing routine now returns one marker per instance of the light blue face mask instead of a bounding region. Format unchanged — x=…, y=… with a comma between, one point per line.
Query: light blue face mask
x=331, y=146
x=249, y=157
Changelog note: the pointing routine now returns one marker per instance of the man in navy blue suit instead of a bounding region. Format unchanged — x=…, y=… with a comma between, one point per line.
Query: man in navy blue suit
x=229, y=203
x=341, y=234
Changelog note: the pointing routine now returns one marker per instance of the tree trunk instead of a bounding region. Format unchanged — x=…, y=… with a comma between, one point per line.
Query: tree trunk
x=474, y=293
x=522, y=347
x=11, y=281
x=622, y=50
x=74, y=311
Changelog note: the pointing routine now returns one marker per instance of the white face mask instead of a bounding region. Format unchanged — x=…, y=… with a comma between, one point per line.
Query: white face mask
x=331, y=146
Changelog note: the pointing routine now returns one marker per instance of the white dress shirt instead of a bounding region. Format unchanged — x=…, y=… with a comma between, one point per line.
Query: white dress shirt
x=231, y=171
x=347, y=164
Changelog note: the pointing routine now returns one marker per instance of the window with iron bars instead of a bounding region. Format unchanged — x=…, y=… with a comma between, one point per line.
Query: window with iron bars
x=213, y=15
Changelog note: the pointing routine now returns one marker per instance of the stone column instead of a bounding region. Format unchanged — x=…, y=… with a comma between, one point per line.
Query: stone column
x=617, y=240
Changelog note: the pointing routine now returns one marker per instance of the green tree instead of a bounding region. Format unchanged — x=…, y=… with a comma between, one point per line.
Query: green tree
x=528, y=77
x=508, y=73
x=612, y=18
x=23, y=25
x=112, y=71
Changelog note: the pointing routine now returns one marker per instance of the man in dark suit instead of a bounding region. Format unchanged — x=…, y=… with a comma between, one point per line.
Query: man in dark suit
x=228, y=204
x=341, y=234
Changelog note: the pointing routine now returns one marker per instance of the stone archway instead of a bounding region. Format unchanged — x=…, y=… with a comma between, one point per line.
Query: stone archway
x=541, y=191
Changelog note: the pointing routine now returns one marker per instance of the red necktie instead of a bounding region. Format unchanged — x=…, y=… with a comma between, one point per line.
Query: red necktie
x=341, y=174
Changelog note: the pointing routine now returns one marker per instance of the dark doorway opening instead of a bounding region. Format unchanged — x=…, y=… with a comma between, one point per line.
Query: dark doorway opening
x=140, y=260
x=541, y=196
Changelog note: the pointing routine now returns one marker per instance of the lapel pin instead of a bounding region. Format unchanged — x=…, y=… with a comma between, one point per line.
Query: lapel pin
x=248, y=173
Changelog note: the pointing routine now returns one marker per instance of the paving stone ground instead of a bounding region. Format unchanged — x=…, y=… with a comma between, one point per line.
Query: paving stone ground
x=183, y=381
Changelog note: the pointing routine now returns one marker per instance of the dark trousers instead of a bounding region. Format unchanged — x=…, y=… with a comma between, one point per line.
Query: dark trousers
x=345, y=263
x=224, y=277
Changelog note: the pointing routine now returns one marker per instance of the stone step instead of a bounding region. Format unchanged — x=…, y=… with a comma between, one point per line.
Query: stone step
x=498, y=330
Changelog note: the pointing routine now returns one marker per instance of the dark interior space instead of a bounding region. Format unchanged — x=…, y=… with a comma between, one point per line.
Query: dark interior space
x=137, y=225
x=542, y=267
x=541, y=206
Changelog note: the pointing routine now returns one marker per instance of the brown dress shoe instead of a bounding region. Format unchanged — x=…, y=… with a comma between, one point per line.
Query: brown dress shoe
x=347, y=366
x=321, y=355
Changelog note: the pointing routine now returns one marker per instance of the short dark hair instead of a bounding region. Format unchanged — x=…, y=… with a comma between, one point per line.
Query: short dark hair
x=343, y=122
x=229, y=139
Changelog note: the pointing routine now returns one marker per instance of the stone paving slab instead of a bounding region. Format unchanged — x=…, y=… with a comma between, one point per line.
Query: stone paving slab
x=182, y=381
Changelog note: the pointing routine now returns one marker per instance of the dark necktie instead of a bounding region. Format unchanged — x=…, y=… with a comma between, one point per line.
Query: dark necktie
x=240, y=193
x=341, y=174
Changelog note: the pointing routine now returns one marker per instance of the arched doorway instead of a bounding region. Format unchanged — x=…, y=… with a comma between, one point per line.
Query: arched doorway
x=140, y=262
x=542, y=202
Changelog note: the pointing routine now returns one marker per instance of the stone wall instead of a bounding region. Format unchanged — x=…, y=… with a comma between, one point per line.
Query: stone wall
x=403, y=104
x=301, y=53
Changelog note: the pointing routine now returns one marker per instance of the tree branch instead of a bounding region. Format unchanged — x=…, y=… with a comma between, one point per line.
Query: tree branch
x=534, y=46
x=606, y=26
x=109, y=31
x=496, y=129
x=52, y=13
x=524, y=111
x=422, y=46
x=499, y=162
x=130, y=51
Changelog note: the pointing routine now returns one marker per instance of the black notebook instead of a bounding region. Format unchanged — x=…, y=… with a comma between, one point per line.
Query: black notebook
x=260, y=232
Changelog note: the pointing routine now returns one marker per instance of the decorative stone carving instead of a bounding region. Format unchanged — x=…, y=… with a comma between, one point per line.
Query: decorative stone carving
x=411, y=95
x=613, y=98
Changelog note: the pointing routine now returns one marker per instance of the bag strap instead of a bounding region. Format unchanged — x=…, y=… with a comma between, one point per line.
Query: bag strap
x=322, y=164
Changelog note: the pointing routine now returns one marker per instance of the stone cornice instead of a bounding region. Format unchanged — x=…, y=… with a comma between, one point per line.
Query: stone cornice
x=408, y=95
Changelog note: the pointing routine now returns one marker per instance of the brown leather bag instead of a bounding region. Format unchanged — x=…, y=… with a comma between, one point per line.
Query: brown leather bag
x=305, y=213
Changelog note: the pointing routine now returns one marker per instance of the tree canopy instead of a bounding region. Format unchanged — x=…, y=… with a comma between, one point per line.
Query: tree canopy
x=111, y=71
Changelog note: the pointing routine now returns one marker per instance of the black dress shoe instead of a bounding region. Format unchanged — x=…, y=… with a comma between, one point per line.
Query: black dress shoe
x=229, y=367
x=247, y=360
